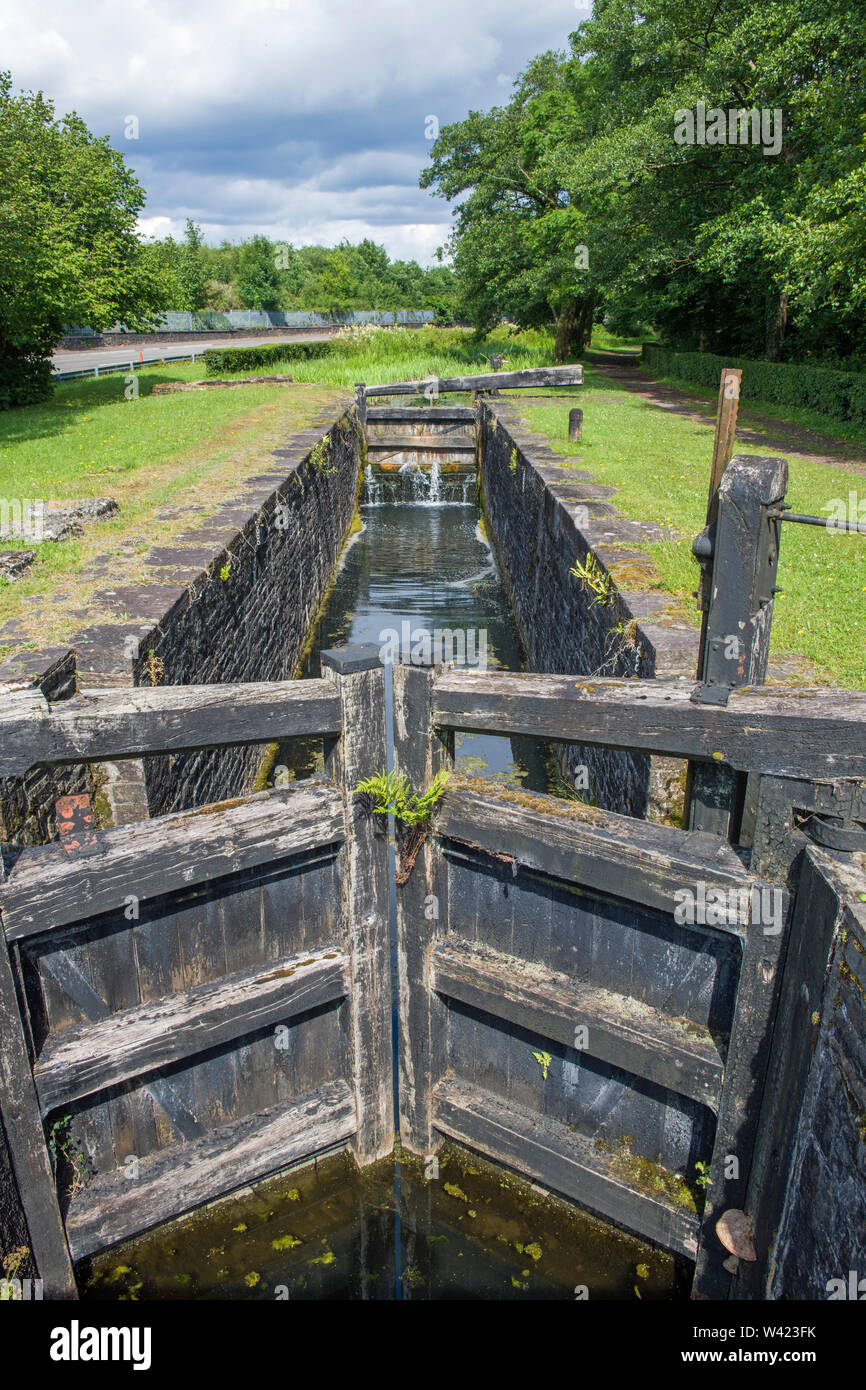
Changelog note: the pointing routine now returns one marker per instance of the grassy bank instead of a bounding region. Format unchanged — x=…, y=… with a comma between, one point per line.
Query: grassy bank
x=377, y=356
x=192, y=452
x=660, y=463
x=87, y=437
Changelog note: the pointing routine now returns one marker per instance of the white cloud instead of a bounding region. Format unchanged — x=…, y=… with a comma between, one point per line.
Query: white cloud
x=266, y=114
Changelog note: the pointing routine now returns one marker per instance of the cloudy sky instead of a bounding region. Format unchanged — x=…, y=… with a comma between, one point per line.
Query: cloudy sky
x=301, y=119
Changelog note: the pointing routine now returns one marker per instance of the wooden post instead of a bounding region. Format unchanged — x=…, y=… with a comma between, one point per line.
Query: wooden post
x=361, y=403
x=745, y=555
x=419, y=751
x=727, y=411
x=575, y=425
x=723, y=449
x=361, y=750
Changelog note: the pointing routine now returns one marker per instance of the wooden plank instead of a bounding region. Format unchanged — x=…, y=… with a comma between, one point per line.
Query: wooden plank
x=421, y=917
x=723, y=448
x=67, y=973
x=564, y=1161
x=599, y=850
x=135, y=1041
x=358, y=677
x=754, y=1016
x=827, y=904
x=796, y=733
x=176, y=1180
x=115, y=724
x=438, y=415
x=47, y=889
x=619, y=1030
x=27, y=1148
x=571, y=375
x=444, y=443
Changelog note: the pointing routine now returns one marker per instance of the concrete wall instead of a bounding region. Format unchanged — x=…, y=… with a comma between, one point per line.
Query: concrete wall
x=543, y=518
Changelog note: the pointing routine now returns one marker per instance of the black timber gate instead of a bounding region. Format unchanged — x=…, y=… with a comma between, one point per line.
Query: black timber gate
x=204, y=998
x=196, y=1000
x=563, y=1010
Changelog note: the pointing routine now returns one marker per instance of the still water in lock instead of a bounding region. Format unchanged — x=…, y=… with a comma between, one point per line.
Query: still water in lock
x=395, y=1231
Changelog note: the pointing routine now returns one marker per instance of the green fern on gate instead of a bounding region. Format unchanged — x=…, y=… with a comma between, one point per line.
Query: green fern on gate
x=391, y=795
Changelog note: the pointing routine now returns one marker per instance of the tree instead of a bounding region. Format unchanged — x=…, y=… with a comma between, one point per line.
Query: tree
x=69, y=254
x=518, y=241
x=727, y=247
x=192, y=269
x=258, y=277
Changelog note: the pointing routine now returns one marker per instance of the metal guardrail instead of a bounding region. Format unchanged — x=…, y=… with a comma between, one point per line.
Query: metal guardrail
x=102, y=369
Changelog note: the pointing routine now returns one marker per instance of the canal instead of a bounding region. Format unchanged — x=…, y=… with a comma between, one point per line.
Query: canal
x=455, y=1227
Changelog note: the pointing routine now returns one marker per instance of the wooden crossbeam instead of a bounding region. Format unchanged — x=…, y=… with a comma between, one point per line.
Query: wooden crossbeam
x=808, y=733
x=562, y=1160
x=116, y=724
x=571, y=375
x=47, y=890
x=120, y=1046
x=619, y=1030
x=600, y=850
x=173, y=1181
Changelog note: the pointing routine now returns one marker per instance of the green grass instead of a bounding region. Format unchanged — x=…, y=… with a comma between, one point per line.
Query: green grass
x=194, y=450
x=840, y=431
x=89, y=441
x=87, y=436
x=660, y=462
x=603, y=341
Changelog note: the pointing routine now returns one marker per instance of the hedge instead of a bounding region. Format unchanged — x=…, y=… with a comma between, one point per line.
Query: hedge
x=837, y=394
x=249, y=359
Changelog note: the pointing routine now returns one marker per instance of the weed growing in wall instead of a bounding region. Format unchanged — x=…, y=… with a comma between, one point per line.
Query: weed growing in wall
x=319, y=457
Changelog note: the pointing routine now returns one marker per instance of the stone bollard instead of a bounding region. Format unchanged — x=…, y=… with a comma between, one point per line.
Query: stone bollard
x=575, y=425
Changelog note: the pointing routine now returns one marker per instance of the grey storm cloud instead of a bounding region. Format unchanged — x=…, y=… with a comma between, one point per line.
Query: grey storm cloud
x=301, y=119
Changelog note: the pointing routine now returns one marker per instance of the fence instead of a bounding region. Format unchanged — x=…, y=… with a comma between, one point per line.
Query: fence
x=181, y=321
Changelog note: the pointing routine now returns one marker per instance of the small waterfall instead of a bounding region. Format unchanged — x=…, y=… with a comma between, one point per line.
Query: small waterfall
x=435, y=482
x=372, y=495
x=412, y=483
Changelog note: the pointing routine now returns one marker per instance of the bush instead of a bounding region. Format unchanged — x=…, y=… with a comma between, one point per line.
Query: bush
x=249, y=359
x=838, y=394
x=25, y=379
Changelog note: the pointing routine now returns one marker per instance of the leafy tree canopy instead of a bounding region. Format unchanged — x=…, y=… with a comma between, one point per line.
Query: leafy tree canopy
x=748, y=247
x=69, y=253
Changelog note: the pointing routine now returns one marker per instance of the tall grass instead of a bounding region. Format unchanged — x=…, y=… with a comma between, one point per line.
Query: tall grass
x=378, y=356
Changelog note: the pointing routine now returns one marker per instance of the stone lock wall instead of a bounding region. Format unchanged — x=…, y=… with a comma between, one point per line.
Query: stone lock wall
x=250, y=616
x=543, y=518
x=812, y=1166
x=234, y=599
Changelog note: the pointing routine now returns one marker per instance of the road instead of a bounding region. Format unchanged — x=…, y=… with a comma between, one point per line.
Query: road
x=87, y=359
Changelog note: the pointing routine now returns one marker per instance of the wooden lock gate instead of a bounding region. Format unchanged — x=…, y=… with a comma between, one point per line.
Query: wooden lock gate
x=201, y=999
